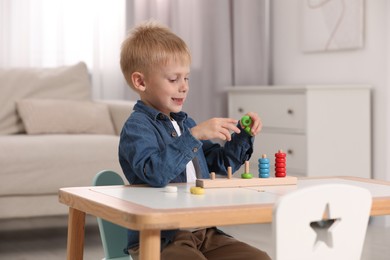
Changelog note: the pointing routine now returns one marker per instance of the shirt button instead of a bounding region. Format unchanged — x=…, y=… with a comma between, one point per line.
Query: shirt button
x=195, y=149
x=173, y=134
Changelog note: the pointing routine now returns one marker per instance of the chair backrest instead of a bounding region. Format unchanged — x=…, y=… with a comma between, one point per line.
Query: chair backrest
x=321, y=222
x=114, y=237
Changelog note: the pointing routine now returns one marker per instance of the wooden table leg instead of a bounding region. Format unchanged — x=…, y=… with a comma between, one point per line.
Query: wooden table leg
x=150, y=244
x=76, y=226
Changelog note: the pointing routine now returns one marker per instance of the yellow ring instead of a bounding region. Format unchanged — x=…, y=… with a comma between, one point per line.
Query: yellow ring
x=197, y=190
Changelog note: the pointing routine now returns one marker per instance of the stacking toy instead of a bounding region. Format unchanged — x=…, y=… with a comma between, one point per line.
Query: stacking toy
x=264, y=167
x=246, y=174
x=246, y=121
x=280, y=164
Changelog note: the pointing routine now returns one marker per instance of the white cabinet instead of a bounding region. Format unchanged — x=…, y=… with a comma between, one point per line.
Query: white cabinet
x=325, y=130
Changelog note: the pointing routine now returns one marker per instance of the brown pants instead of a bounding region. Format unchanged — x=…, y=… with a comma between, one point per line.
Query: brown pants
x=209, y=244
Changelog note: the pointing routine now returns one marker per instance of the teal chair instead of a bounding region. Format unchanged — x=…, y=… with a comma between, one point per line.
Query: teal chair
x=114, y=237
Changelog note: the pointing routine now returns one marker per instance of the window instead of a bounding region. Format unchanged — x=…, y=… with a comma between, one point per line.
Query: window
x=48, y=33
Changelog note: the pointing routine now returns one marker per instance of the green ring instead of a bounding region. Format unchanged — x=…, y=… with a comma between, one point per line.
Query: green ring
x=248, y=130
x=246, y=120
x=246, y=176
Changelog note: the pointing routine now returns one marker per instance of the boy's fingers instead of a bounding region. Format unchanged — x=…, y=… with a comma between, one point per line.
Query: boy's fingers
x=223, y=137
x=232, y=125
x=231, y=120
x=233, y=128
x=226, y=134
x=256, y=127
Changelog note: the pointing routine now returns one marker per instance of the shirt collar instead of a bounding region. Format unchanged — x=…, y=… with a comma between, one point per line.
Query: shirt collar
x=154, y=114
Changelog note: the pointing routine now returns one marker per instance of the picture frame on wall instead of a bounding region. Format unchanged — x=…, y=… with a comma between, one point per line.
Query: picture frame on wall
x=330, y=25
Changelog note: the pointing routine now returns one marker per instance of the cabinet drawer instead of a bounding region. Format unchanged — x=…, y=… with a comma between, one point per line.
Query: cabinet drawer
x=275, y=110
x=294, y=145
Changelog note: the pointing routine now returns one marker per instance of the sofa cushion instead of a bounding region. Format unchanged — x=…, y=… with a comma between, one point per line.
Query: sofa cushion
x=59, y=116
x=42, y=164
x=120, y=110
x=66, y=82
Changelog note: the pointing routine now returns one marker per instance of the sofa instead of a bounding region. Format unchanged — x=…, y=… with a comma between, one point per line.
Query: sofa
x=52, y=135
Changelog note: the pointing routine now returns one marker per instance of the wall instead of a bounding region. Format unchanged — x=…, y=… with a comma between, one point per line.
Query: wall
x=368, y=65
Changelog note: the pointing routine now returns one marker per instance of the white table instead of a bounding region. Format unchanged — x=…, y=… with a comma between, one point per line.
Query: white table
x=151, y=210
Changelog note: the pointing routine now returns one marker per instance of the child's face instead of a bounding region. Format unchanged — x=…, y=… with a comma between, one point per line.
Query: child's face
x=166, y=87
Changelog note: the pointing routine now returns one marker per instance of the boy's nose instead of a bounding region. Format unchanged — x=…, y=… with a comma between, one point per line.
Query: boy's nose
x=183, y=86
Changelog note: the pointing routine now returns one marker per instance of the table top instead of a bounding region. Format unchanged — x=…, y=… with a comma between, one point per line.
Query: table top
x=141, y=207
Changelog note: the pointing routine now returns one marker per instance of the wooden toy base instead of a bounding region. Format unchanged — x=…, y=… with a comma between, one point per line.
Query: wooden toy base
x=239, y=182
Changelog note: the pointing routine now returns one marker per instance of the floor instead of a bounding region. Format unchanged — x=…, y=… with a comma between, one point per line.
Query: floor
x=376, y=246
x=46, y=243
x=26, y=243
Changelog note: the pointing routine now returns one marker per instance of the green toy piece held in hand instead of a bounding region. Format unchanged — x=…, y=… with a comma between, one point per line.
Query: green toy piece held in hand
x=246, y=121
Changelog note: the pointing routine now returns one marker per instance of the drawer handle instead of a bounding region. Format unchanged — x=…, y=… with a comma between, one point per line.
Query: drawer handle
x=240, y=110
x=290, y=151
x=290, y=111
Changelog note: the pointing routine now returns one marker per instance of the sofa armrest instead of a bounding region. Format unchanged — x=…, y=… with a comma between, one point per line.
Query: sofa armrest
x=120, y=110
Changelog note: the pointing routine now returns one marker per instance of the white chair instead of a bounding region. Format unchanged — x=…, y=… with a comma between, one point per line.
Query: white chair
x=321, y=222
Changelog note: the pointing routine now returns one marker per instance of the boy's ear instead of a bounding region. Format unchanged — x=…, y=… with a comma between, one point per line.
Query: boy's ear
x=138, y=80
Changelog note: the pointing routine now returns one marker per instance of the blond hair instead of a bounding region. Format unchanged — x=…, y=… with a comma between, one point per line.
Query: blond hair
x=148, y=46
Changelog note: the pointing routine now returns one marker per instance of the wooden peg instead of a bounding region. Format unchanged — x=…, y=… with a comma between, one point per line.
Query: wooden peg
x=246, y=166
x=229, y=172
x=212, y=175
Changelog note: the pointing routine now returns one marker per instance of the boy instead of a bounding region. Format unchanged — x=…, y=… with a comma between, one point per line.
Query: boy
x=160, y=144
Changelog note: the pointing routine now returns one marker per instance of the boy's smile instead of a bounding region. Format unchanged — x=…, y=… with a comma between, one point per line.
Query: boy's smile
x=178, y=101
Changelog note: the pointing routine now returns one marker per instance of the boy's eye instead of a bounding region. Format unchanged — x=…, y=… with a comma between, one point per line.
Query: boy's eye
x=173, y=80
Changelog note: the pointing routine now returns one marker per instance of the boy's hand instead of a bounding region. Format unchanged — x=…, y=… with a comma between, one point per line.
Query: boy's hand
x=215, y=128
x=256, y=123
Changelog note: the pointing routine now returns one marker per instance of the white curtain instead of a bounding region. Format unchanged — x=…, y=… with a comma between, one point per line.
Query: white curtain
x=228, y=40
x=49, y=33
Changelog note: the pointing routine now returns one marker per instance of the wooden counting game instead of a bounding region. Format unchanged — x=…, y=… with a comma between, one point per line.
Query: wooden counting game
x=247, y=179
x=240, y=182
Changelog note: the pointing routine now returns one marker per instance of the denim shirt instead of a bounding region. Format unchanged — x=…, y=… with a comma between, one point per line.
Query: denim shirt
x=151, y=152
